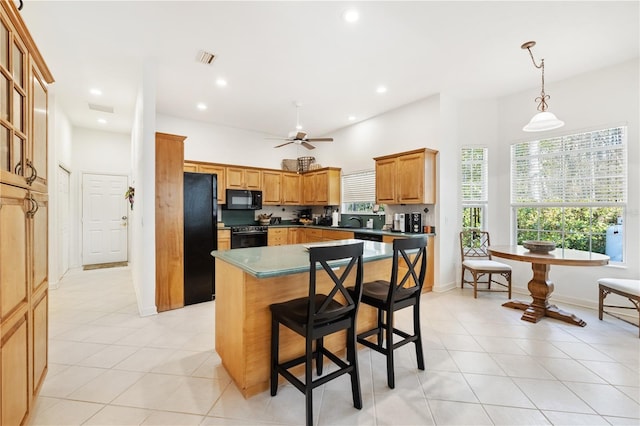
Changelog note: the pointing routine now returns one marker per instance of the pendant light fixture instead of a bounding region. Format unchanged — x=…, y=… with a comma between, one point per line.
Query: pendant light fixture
x=544, y=120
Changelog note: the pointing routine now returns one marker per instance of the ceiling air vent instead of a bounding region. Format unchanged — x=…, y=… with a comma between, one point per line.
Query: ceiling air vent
x=101, y=108
x=205, y=57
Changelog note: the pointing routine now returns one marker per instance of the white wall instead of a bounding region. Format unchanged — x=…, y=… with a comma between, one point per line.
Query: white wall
x=227, y=145
x=97, y=152
x=604, y=98
x=142, y=221
x=60, y=149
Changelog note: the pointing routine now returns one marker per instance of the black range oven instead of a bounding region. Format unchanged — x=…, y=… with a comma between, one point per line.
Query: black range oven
x=248, y=236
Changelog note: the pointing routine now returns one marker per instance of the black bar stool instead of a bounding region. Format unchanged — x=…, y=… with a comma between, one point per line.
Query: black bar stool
x=399, y=293
x=317, y=316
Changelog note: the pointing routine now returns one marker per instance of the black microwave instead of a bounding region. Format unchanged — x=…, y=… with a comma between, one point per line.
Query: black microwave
x=239, y=199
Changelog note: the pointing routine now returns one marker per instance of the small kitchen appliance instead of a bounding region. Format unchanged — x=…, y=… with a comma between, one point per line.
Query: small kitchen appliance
x=416, y=222
x=398, y=222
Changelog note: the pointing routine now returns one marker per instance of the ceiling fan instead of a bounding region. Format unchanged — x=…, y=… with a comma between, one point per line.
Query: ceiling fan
x=299, y=136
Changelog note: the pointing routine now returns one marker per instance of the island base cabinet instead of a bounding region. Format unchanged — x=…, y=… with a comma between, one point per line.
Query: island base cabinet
x=243, y=320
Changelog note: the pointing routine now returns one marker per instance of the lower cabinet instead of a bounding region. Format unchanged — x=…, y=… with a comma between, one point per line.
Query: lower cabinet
x=15, y=369
x=277, y=236
x=331, y=234
x=295, y=236
x=40, y=325
x=224, y=239
x=23, y=301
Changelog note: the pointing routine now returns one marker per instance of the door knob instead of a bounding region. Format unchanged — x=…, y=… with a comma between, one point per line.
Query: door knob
x=124, y=217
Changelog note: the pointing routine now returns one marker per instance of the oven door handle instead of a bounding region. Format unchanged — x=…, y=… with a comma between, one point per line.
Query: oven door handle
x=249, y=233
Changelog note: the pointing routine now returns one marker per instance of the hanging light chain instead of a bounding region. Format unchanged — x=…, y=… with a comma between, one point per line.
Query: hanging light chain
x=543, y=98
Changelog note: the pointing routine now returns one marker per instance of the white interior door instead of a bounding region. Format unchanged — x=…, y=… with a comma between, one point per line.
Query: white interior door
x=64, y=221
x=104, y=219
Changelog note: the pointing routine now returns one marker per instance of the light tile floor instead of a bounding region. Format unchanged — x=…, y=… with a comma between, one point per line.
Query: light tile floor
x=109, y=366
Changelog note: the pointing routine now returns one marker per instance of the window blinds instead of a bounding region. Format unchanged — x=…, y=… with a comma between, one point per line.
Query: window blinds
x=474, y=164
x=585, y=168
x=359, y=187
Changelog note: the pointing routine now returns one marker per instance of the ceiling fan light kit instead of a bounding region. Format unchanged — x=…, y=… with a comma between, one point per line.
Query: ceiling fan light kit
x=543, y=120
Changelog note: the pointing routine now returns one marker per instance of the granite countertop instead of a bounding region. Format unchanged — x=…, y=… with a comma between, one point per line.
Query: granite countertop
x=347, y=229
x=274, y=261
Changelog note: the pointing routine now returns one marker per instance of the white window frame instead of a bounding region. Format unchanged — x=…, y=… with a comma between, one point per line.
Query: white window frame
x=474, y=187
x=586, y=170
x=358, y=187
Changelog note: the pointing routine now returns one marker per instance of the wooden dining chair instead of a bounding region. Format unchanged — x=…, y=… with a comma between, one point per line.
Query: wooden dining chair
x=320, y=315
x=476, y=259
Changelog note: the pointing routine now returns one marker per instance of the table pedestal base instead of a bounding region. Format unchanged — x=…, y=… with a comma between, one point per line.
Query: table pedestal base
x=541, y=288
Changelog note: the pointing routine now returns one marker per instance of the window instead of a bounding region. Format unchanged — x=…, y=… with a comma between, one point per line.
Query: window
x=359, y=192
x=474, y=163
x=572, y=190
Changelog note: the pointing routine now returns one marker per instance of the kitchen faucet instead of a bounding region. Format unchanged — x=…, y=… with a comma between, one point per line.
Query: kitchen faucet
x=356, y=218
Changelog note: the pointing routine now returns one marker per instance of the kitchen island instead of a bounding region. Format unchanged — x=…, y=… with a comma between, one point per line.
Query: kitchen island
x=248, y=280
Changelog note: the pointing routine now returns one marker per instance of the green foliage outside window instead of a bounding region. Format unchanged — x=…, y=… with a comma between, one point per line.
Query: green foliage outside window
x=580, y=228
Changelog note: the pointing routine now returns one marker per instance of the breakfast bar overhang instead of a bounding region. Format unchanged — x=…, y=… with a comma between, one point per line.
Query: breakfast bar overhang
x=248, y=280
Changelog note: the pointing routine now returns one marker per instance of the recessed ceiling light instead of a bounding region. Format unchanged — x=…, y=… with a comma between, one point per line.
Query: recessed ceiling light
x=381, y=89
x=102, y=121
x=352, y=118
x=96, y=92
x=350, y=15
x=201, y=106
x=221, y=82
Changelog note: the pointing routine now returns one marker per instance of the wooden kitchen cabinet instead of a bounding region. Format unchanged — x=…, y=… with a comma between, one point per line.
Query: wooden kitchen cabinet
x=224, y=239
x=216, y=169
x=24, y=80
x=169, y=221
x=271, y=187
x=277, y=236
x=291, y=184
x=332, y=234
x=406, y=178
x=312, y=235
x=321, y=187
x=243, y=178
x=295, y=236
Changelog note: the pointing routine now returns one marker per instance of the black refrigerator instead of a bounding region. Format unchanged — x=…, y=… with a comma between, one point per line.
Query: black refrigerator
x=200, y=236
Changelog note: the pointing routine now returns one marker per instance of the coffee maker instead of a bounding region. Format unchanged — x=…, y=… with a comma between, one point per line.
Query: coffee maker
x=398, y=222
x=415, y=222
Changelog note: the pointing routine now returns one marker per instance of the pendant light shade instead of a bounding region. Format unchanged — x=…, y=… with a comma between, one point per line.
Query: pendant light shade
x=543, y=121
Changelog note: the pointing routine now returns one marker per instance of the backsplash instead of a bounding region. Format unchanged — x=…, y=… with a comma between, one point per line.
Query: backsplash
x=288, y=213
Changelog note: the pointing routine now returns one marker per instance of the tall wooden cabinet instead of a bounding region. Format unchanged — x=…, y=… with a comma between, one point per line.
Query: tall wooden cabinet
x=406, y=177
x=169, y=221
x=24, y=77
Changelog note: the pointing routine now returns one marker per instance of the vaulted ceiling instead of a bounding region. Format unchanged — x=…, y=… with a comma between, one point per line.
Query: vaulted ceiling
x=272, y=54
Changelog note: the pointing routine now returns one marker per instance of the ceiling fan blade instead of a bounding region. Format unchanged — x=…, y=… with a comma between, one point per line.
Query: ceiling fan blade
x=286, y=143
x=320, y=139
x=307, y=145
x=301, y=135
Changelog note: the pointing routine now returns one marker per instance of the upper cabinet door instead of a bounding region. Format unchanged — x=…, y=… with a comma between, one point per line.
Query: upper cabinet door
x=219, y=171
x=23, y=105
x=271, y=187
x=386, y=181
x=37, y=153
x=410, y=183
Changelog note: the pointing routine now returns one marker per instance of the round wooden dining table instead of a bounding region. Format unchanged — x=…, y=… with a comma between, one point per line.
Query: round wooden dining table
x=540, y=286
